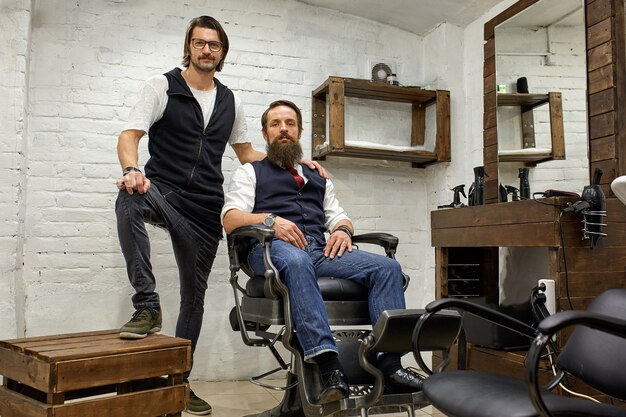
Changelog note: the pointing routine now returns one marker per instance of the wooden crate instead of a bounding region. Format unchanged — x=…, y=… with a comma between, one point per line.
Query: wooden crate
x=93, y=374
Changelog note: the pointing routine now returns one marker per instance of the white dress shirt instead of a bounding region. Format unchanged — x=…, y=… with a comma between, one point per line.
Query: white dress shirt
x=242, y=191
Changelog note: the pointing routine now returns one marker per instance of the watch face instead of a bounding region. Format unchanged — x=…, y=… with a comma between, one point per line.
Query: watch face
x=269, y=221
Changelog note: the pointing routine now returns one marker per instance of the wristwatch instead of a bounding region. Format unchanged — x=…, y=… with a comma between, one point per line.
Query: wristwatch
x=269, y=220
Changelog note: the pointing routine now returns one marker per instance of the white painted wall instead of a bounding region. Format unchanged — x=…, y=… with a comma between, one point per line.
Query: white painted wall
x=14, y=20
x=87, y=62
x=75, y=70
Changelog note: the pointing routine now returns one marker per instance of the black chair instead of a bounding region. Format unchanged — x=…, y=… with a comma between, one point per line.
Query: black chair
x=262, y=304
x=595, y=353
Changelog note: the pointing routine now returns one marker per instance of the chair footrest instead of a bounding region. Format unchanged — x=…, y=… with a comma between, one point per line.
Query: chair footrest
x=394, y=331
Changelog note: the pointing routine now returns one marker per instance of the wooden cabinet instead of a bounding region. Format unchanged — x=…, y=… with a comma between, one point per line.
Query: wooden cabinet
x=328, y=124
x=526, y=103
x=475, y=234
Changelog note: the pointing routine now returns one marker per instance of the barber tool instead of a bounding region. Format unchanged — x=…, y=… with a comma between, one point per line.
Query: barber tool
x=502, y=193
x=524, y=185
x=513, y=191
x=556, y=193
x=456, y=202
x=593, y=207
x=477, y=189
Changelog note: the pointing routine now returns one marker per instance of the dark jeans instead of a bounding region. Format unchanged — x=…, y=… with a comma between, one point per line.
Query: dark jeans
x=194, y=253
x=299, y=270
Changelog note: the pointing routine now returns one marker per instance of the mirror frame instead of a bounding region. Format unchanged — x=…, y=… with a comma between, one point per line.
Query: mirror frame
x=606, y=92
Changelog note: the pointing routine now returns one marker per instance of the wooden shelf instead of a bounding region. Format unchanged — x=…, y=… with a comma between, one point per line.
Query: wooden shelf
x=336, y=89
x=527, y=103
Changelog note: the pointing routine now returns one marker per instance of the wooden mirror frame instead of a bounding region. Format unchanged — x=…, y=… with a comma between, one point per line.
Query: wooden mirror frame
x=606, y=92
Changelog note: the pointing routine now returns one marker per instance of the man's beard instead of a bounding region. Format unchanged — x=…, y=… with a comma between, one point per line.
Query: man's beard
x=284, y=154
x=204, y=66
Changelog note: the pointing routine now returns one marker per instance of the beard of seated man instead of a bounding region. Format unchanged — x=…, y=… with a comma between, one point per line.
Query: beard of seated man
x=284, y=154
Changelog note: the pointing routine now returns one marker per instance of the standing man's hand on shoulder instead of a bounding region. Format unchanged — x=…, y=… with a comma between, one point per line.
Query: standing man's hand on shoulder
x=316, y=166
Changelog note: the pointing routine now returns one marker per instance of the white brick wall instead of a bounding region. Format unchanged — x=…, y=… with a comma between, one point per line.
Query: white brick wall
x=88, y=60
x=76, y=73
x=14, y=20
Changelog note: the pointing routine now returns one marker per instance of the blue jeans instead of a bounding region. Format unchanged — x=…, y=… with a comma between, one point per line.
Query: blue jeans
x=299, y=270
x=193, y=250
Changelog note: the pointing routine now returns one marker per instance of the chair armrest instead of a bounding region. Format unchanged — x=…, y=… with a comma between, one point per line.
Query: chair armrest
x=258, y=231
x=388, y=241
x=483, y=312
x=552, y=324
x=238, y=246
x=239, y=240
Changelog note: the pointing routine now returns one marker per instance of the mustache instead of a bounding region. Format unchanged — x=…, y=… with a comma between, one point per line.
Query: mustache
x=284, y=135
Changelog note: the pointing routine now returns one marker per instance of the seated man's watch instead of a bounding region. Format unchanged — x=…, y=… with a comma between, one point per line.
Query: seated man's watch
x=269, y=220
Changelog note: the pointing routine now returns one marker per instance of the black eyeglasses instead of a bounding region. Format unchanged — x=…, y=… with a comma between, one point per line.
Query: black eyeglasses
x=198, y=43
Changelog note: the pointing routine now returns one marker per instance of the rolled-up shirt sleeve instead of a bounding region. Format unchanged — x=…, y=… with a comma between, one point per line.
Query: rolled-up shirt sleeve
x=241, y=191
x=333, y=212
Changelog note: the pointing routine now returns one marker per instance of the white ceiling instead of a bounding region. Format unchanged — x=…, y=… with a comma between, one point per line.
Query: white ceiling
x=417, y=16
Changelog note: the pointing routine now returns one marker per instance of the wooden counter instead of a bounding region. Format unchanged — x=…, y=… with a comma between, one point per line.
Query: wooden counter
x=473, y=236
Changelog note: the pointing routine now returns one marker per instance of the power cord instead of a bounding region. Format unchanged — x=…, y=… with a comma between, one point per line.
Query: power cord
x=553, y=367
x=563, y=207
x=569, y=299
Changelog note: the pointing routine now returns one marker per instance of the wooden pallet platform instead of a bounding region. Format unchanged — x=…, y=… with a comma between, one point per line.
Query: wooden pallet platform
x=93, y=374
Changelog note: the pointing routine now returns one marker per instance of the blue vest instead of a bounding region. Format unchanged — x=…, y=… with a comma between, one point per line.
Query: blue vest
x=186, y=158
x=277, y=192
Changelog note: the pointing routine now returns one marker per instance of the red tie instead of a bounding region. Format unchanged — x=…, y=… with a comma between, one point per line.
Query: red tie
x=296, y=177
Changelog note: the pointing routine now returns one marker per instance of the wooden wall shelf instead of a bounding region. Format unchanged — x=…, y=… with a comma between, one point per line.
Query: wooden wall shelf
x=336, y=89
x=527, y=103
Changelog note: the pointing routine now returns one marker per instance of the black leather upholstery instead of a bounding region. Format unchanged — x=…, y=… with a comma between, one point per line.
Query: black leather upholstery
x=333, y=289
x=594, y=353
x=478, y=394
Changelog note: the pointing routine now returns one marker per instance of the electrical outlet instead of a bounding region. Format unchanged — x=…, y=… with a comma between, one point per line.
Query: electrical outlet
x=550, y=294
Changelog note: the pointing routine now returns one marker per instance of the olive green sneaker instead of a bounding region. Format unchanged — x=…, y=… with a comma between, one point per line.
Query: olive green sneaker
x=197, y=405
x=145, y=320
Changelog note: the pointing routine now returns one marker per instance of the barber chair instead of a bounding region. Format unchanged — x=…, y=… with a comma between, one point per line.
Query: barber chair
x=262, y=304
x=593, y=354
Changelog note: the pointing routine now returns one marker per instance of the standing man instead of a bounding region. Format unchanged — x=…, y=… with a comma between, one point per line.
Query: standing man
x=300, y=206
x=189, y=117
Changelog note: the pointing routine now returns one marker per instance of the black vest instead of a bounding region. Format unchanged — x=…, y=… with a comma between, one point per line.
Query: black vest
x=185, y=158
x=278, y=193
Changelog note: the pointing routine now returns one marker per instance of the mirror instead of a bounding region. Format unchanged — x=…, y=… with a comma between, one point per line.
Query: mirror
x=544, y=127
